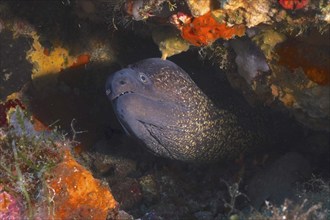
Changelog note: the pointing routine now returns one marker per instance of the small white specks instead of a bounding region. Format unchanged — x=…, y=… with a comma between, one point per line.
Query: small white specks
x=7, y=76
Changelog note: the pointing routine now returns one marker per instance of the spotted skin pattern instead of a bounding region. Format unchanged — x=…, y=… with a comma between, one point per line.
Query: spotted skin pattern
x=158, y=103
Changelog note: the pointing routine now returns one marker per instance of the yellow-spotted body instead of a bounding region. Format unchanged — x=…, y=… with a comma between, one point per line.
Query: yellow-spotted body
x=158, y=103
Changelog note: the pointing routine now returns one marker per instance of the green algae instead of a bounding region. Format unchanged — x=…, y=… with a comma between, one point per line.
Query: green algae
x=26, y=155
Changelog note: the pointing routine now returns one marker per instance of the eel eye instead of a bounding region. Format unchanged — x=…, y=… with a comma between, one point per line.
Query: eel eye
x=143, y=78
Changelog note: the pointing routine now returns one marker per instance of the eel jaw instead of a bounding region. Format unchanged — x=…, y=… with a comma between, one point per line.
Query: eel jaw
x=115, y=97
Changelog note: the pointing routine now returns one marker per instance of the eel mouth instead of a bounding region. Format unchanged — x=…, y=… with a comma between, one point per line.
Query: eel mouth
x=115, y=97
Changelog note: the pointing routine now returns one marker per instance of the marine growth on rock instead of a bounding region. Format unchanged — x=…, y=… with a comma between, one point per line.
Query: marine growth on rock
x=204, y=30
x=293, y=4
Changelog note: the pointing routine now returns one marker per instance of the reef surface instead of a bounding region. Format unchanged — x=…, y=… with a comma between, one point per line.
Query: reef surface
x=64, y=155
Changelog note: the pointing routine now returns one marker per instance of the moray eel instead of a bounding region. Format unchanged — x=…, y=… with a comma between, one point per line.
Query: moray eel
x=158, y=103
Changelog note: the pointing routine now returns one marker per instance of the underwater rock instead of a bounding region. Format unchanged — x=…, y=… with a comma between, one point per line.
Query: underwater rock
x=276, y=182
x=203, y=215
x=252, y=12
x=38, y=167
x=87, y=9
x=149, y=188
x=266, y=40
x=77, y=194
x=128, y=193
x=143, y=9
x=307, y=101
x=42, y=61
x=293, y=4
x=250, y=60
x=122, y=215
x=204, y=30
x=295, y=54
x=326, y=12
x=199, y=7
x=169, y=41
x=298, y=86
x=152, y=216
x=47, y=65
x=136, y=9
x=113, y=165
x=5, y=107
x=25, y=155
x=301, y=80
x=14, y=69
x=298, y=77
